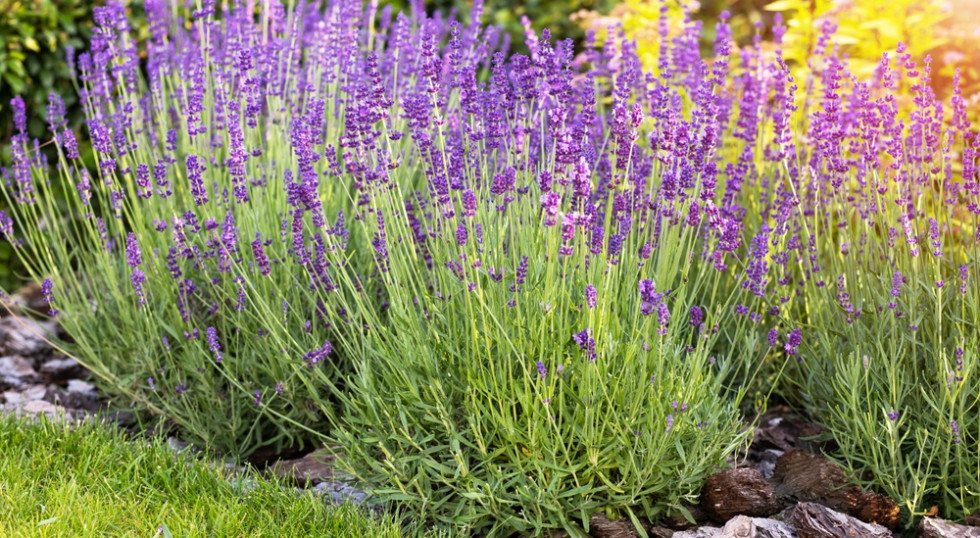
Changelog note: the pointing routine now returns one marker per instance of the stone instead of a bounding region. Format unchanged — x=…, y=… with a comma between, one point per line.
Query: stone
x=755, y=527
x=805, y=477
x=600, y=526
x=772, y=528
x=814, y=520
x=933, y=527
x=40, y=407
x=766, y=464
x=735, y=492
x=31, y=393
x=310, y=470
x=61, y=369
x=338, y=492
x=700, y=532
x=83, y=388
x=25, y=336
x=16, y=371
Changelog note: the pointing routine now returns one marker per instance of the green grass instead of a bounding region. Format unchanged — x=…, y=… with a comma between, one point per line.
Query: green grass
x=84, y=479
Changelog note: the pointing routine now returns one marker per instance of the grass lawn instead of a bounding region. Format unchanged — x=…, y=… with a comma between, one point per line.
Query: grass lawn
x=90, y=480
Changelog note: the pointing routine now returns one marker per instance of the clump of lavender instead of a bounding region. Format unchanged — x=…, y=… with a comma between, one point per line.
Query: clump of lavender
x=395, y=218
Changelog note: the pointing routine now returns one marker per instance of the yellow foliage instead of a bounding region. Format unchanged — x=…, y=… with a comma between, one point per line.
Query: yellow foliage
x=865, y=28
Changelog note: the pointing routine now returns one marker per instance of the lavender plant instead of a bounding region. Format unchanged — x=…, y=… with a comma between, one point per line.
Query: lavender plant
x=528, y=294
x=869, y=240
x=548, y=338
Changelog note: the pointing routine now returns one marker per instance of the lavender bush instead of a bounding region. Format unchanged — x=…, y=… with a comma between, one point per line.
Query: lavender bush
x=871, y=236
x=513, y=290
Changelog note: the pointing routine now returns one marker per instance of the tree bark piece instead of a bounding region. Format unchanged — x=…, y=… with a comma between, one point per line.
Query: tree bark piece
x=805, y=477
x=600, y=526
x=738, y=492
x=817, y=521
x=933, y=527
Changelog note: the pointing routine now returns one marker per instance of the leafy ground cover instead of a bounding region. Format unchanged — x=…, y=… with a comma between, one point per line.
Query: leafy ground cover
x=85, y=479
x=515, y=290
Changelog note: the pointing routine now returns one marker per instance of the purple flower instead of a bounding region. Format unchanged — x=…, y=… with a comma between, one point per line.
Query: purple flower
x=773, y=337
x=151, y=383
x=279, y=387
x=260, y=257
x=7, y=227
x=461, y=233
x=469, y=203
x=195, y=170
x=258, y=398
x=133, y=255
x=542, y=371
x=793, y=341
x=670, y=423
x=586, y=343
x=663, y=317
x=317, y=355
x=897, y=281
x=591, y=296
x=697, y=316
x=893, y=415
x=138, y=278
x=955, y=428
x=213, y=345
x=48, y=296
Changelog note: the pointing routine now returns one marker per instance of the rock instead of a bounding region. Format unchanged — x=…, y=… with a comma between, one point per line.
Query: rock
x=738, y=527
x=600, y=526
x=36, y=408
x=310, y=470
x=31, y=393
x=700, y=532
x=179, y=446
x=25, y=336
x=661, y=532
x=804, y=477
x=339, y=492
x=62, y=369
x=813, y=520
x=766, y=464
x=933, y=527
x=738, y=492
x=83, y=388
x=973, y=519
x=754, y=527
x=16, y=371
x=772, y=528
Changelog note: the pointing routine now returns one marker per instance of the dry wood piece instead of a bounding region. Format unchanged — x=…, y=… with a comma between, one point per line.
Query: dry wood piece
x=805, y=477
x=738, y=492
x=817, y=521
x=600, y=526
x=677, y=522
x=933, y=527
